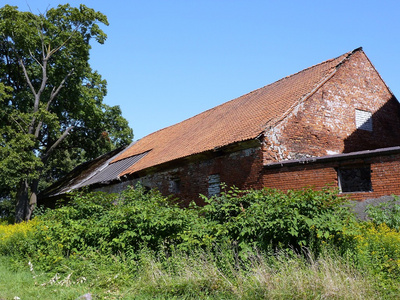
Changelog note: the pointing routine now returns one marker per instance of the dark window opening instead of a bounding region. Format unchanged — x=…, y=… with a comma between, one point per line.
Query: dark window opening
x=357, y=179
x=214, y=185
x=175, y=186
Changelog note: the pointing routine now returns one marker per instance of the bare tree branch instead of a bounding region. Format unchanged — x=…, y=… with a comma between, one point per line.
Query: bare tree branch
x=37, y=130
x=43, y=85
x=54, y=93
x=27, y=76
x=19, y=125
x=38, y=94
x=22, y=121
x=34, y=58
x=60, y=139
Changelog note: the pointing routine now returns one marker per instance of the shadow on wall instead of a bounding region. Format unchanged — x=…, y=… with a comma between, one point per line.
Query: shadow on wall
x=378, y=130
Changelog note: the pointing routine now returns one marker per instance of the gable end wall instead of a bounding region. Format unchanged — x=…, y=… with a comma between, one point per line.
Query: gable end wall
x=324, y=123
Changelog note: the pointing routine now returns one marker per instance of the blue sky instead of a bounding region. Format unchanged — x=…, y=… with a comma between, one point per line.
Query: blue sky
x=166, y=61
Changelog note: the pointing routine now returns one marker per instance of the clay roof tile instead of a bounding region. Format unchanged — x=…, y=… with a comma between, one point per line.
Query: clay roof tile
x=237, y=120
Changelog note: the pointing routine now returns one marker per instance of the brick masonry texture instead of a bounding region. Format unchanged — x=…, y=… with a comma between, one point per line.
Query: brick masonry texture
x=325, y=124
x=241, y=168
x=385, y=174
x=310, y=114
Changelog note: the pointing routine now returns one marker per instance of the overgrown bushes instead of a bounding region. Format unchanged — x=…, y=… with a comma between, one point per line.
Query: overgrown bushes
x=133, y=220
x=271, y=218
x=123, y=230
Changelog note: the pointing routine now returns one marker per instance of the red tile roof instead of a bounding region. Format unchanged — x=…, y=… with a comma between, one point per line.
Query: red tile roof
x=240, y=119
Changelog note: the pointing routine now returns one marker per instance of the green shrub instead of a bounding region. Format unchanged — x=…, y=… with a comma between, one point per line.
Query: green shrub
x=17, y=239
x=111, y=224
x=378, y=248
x=264, y=218
x=386, y=213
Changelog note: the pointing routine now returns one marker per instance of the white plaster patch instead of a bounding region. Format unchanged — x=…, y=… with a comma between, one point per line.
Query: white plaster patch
x=332, y=152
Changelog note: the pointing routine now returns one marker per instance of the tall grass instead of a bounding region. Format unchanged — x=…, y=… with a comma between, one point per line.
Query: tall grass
x=202, y=275
x=23, y=284
x=279, y=276
x=242, y=245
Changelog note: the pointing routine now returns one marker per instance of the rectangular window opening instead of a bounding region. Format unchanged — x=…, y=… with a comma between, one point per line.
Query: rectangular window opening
x=175, y=186
x=214, y=185
x=355, y=179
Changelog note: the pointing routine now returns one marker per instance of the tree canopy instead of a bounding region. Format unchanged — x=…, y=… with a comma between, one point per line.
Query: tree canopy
x=52, y=115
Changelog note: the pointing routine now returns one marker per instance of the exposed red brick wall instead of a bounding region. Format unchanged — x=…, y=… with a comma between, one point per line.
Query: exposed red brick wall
x=241, y=168
x=385, y=176
x=324, y=123
x=245, y=170
x=287, y=178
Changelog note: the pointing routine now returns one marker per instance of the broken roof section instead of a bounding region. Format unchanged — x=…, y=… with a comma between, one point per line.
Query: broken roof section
x=97, y=171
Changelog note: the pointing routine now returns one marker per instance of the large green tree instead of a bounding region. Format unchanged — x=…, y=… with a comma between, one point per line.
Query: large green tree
x=52, y=114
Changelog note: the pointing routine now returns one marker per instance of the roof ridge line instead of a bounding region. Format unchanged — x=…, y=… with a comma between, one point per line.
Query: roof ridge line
x=348, y=54
x=324, y=80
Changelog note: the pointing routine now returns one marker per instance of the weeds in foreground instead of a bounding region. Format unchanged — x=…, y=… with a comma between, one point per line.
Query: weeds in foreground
x=209, y=275
x=147, y=247
x=284, y=275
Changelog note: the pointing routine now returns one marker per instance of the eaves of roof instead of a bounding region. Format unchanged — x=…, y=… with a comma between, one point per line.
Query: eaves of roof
x=335, y=158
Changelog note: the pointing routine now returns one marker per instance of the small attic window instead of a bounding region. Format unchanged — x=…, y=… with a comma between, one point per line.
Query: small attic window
x=363, y=120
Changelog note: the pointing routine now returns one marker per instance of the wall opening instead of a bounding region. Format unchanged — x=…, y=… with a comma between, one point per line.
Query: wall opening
x=354, y=179
x=214, y=185
x=175, y=186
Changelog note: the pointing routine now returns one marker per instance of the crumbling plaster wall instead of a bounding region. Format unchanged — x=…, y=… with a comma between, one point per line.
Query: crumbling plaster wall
x=325, y=124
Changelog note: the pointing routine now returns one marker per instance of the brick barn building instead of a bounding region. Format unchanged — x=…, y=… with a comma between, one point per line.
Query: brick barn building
x=333, y=123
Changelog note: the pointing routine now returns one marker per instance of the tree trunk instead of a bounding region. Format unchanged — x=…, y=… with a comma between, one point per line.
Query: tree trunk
x=25, y=202
x=22, y=206
x=33, y=198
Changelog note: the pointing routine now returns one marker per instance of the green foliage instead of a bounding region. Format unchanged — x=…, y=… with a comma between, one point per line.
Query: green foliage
x=111, y=239
x=263, y=218
x=196, y=275
x=108, y=224
x=52, y=115
x=134, y=220
x=385, y=213
x=378, y=248
x=29, y=285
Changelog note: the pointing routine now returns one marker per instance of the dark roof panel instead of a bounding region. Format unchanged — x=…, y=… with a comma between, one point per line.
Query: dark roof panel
x=97, y=171
x=112, y=171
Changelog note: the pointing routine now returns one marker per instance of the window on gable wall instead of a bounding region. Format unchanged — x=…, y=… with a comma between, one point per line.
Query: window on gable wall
x=354, y=179
x=363, y=120
x=214, y=185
